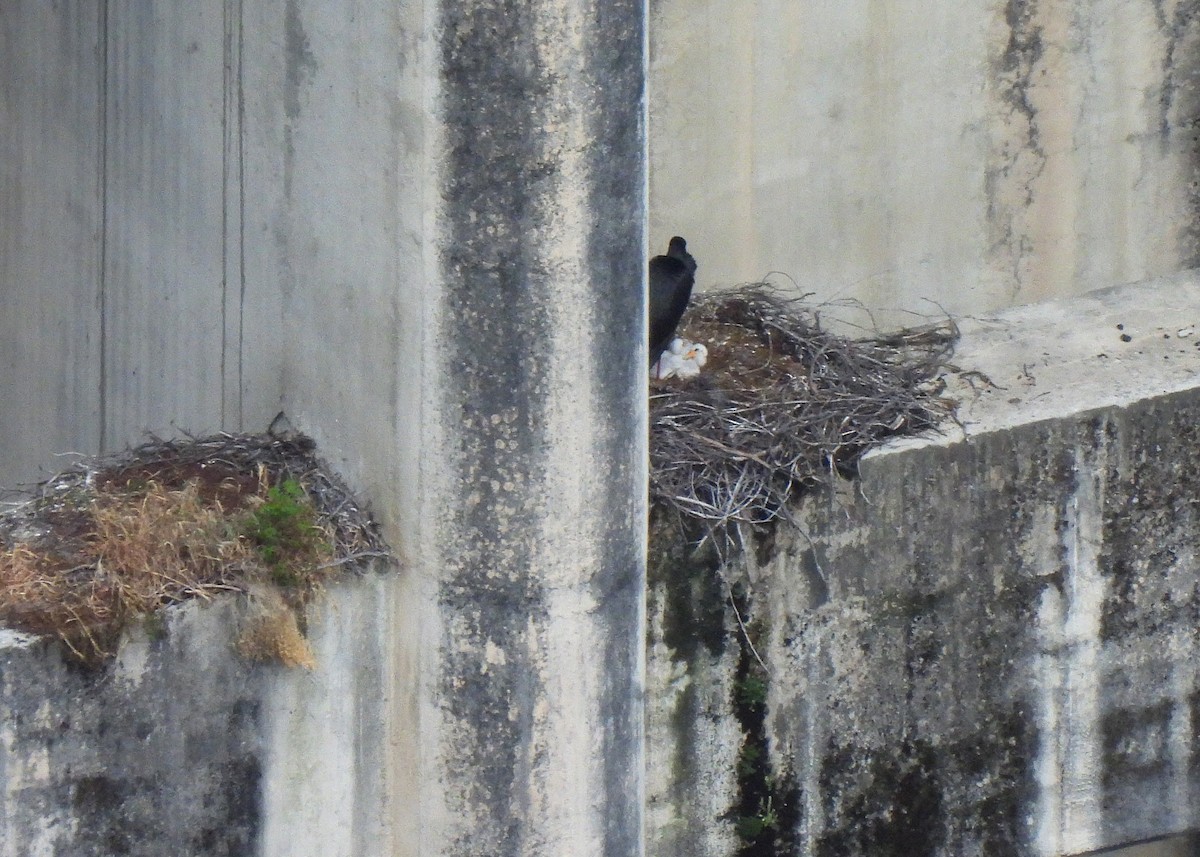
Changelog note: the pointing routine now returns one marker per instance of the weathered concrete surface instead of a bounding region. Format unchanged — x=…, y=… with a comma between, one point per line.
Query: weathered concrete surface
x=988, y=644
x=1175, y=846
x=182, y=747
x=121, y=253
x=479, y=248
x=1114, y=347
x=978, y=153
x=163, y=286
x=337, y=106
x=534, y=500
x=419, y=229
x=50, y=215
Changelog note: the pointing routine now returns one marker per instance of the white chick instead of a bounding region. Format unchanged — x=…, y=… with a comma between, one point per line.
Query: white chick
x=668, y=364
x=694, y=356
x=681, y=360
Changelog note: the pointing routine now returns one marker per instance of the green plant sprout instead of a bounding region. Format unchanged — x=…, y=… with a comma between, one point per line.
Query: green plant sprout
x=283, y=529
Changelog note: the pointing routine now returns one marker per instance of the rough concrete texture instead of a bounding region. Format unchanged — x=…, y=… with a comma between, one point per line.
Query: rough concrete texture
x=182, y=747
x=121, y=255
x=535, y=511
x=980, y=153
x=419, y=229
x=50, y=195
x=336, y=177
x=987, y=644
x=1174, y=846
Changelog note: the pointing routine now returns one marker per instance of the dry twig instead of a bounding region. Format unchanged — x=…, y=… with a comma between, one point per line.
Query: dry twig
x=118, y=536
x=782, y=406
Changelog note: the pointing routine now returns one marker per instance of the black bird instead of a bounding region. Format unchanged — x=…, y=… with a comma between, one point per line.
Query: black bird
x=671, y=279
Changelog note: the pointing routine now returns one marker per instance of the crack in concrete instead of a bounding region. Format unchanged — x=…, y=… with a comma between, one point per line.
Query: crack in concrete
x=1018, y=159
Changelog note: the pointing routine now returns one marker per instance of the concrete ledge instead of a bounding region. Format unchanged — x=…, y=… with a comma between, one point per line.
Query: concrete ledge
x=1109, y=348
x=182, y=747
x=988, y=644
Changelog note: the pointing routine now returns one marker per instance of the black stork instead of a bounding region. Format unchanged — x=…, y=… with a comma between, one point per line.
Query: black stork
x=671, y=279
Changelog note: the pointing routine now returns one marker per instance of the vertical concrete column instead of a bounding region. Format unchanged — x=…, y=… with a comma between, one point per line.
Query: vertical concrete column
x=534, y=447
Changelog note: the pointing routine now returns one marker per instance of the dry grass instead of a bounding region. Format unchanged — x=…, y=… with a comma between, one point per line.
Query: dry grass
x=116, y=538
x=271, y=633
x=782, y=406
x=134, y=553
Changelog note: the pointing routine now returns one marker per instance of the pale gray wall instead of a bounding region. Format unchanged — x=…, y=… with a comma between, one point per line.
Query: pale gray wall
x=336, y=184
x=50, y=222
x=195, y=197
x=985, y=644
x=185, y=748
x=211, y=212
x=121, y=214
x=977, y=153
x=418, y=228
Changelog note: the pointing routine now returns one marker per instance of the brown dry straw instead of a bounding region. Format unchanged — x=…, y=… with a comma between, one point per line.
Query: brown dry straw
x=782, y=406
x=118, y=536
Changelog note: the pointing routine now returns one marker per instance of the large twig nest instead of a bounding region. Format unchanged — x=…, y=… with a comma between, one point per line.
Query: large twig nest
x=116, y=537
x=782, y=406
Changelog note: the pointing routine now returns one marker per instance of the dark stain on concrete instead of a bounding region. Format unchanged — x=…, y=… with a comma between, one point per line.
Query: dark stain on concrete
x=299, y=61
x=1002, y=754
x=766, y=814
x=1135, y=743
x=234, y=810
x=299, y=66
x=504, y=98
x=919, y=684
x=100, y=817
x=493, y=88
x=690, y=578
x=1192, y=709
x=1179, y=110
x=1021, y=55
x=494, y=194
x=132, y=815
x=899, y=799
x=1014, y=168
x=1150, y=514
x=697, y=628
x=181, y=769
x=884, y=803
x=934, y=770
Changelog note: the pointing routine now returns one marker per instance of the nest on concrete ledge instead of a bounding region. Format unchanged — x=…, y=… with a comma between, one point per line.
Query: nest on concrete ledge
x=114, y=538
x=782, y=406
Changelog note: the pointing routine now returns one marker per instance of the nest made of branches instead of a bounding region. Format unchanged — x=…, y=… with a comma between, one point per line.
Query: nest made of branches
x=115, y=537
x=782, y=406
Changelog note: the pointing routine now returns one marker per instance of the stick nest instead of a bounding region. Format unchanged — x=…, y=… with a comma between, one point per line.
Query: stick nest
x=782, y=406
x=114, y=538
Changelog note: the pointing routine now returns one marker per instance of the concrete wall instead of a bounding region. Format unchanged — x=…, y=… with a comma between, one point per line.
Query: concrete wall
x=979, y=154
x=183, y=192
x=985, y=646
x=185, y=748
x=420, y=229
x=50, y=258
x=122, y=208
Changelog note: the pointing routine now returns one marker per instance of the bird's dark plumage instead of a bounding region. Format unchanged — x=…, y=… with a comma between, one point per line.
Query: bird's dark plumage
x=671, y=279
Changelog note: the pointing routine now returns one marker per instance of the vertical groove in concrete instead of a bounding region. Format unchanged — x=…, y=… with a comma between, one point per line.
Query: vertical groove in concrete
x=102, y=206
x=536, y=496
x=262, y=215
x=233, y=282
x=163, y=236
x=50, y=194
